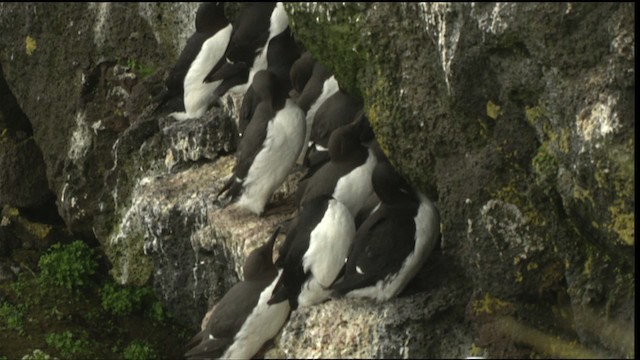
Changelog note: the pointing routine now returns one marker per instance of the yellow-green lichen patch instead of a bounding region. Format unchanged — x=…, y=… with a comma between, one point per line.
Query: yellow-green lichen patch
x=588, y=265
x=582, y=195
x=493, y=110
x=489, y=305
x=621, y=175
x=477, y=351
x=40, y=231
x=534, y=114
x=30, y=45
x=519, y=277
x=378, y=111
x=34, y=229
x=545, y=167
x=557, y=140
x=513, y=193
x=623, y=224
x=8, y=211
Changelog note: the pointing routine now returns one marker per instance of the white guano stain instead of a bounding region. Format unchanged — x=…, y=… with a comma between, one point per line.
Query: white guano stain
x=80, y=139
x=447, y=32
x=492, y=22
x=599, y=120
x=102, y=11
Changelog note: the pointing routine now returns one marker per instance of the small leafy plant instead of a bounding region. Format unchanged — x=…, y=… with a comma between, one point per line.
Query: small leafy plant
x=157, y=312
x=37, y=354
x=69, y=266
x=139, y=350
x=120, y=300
x=67, y=344
x=11, y=317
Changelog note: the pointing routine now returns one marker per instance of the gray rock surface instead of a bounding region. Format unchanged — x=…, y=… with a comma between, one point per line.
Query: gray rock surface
x=516, y=118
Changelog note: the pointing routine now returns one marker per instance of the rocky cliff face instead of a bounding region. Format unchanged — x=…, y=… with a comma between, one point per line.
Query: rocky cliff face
x=516, y=118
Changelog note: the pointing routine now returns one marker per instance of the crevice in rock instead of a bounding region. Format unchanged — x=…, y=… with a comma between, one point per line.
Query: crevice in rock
x=12, y=117
x=23, y=178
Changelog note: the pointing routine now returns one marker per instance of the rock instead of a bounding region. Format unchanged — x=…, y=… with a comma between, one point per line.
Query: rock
x=418, y=324
x=512, y=116
x=176, y=231
x=23, y=180
x=205, y=138
x=515, y=118
x=74, y=92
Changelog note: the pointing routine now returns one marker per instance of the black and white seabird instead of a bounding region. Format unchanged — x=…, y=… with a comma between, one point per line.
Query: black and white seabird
x=393, y=243
x=198, y=95
x=246, y=54
x=339, y=109
x=269, y=147
x=313, y=252
x=283, y=51
x=347, y=176
x=212, y=33
x=240, y=319
x=318, y=88
x=300, y=73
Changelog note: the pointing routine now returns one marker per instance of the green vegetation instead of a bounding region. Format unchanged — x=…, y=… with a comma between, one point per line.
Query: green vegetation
x=67, y=344
x=69, y=266
x=140, y=350
x=12, y=317
x=141, y=70
x=72, y=310
x=37, y=354
x=120, y=300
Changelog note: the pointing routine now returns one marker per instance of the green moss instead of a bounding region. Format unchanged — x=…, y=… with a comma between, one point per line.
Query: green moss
x=130, y=264
x=378, y=110
x=338, y=46
x=141, y=70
